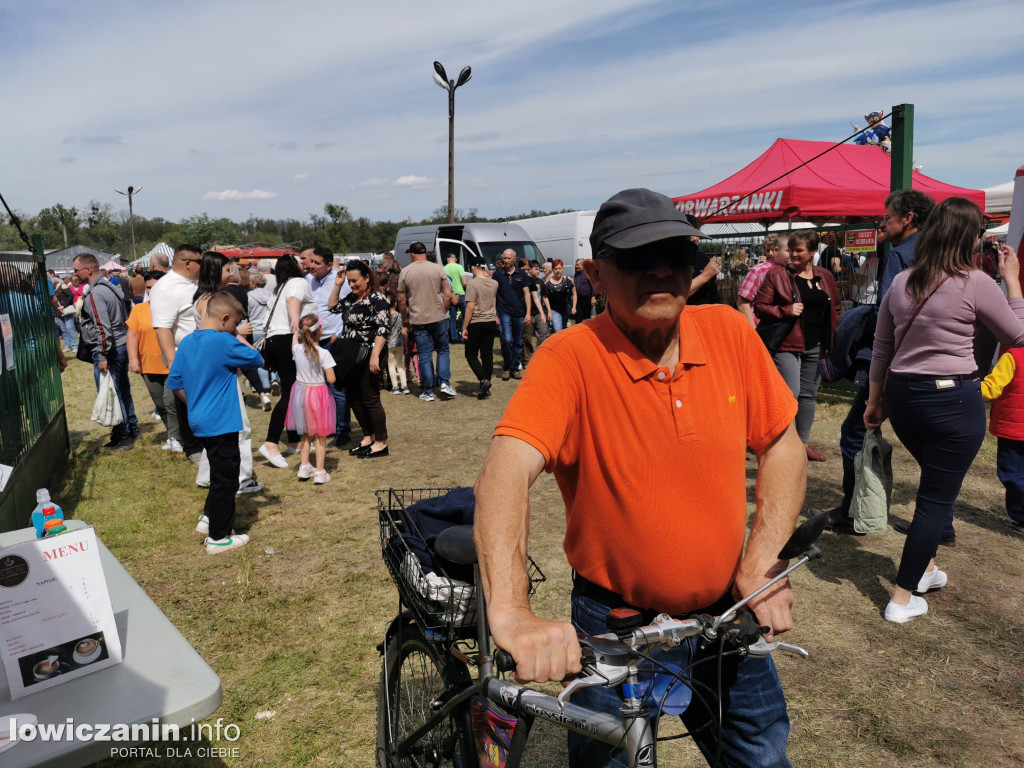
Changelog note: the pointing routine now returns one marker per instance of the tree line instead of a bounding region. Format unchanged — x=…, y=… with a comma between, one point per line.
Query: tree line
x=97, y=225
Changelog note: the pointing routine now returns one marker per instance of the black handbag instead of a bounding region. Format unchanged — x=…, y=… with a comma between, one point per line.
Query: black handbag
x=350, y=355
x=774, y=332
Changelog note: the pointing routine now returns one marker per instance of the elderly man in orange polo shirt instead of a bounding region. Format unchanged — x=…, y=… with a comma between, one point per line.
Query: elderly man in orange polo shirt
x=650, y=411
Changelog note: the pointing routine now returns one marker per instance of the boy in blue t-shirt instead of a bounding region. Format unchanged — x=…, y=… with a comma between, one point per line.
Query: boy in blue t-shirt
x=203, y=376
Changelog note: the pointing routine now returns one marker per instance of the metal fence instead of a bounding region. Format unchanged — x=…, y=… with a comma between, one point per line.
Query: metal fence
x=31, y=396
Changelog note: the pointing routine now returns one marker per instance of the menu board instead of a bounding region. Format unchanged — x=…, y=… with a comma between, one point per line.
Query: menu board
x=56, y=620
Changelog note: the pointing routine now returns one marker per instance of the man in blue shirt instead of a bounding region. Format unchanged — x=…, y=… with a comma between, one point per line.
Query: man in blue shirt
x=203, y=375
x=321, y=280
x=905, y=213
x=513, y=305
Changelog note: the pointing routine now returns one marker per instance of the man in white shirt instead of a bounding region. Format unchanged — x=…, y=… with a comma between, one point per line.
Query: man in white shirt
x=321, y=279
x=170, y=302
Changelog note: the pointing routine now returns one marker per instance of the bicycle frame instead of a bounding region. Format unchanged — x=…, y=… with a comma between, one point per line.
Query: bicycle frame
x=632, y=731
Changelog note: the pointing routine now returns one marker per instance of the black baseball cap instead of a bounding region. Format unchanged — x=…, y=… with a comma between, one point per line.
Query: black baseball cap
x=636, y=217
x=417, y=248
x=475, y=261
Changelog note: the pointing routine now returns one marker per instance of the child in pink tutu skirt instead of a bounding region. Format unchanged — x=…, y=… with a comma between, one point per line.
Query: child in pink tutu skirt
x=311, y=406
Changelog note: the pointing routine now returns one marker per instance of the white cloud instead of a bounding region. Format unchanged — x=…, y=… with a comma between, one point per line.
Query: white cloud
x=370, y=183
x=301, y=178
x=413, y=182
x=237, y=194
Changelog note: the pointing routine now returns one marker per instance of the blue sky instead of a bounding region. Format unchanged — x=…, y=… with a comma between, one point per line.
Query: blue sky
x=273, y=109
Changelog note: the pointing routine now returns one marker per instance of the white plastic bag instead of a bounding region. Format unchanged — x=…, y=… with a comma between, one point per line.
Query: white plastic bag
x=107, y=410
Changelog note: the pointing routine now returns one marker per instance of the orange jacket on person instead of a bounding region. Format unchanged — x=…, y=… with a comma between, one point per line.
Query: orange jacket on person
x=774, y=301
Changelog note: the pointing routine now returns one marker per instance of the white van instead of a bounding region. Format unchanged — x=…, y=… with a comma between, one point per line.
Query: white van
x=564, y=236
x=486, y=240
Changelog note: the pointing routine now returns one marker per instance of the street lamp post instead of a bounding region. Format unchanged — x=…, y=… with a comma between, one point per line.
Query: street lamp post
x=131, y=215
x=441, y=78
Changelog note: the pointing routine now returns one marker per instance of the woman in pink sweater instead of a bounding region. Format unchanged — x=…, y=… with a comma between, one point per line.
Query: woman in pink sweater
x=923, y=357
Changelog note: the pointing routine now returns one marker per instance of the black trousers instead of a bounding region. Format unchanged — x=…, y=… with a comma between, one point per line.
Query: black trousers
x=225, y=462
x=363, y=395
x=480, y=349
x=278, y=351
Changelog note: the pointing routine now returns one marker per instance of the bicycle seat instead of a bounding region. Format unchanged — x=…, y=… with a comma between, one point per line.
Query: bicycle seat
x=456, y=544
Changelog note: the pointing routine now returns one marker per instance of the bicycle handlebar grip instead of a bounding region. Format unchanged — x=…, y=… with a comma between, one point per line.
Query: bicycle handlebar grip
x=503, y=661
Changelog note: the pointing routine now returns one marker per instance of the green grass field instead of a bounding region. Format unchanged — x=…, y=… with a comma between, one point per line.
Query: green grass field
x=291, y=622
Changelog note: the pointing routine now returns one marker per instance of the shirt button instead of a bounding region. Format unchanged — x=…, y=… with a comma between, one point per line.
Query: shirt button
x=679, y=403
x=661, y=375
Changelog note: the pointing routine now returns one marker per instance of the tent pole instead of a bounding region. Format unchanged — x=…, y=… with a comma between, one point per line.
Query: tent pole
x=902, y=147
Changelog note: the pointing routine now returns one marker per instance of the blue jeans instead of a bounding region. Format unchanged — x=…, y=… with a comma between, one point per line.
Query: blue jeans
x=118, y=367
x=1010, y=469
x=557, y=321
x=755, y=725
x=342, y=423
x=68, y=331
x=943, y=429
x=454, y=332
x=430, y=337
x=511, y=341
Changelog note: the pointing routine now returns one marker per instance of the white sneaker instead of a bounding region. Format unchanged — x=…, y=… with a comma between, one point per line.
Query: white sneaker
x=216, y=546
x=405, y=390
x=249, y=486
x=426, y=397
x=446, y=389
x=203, y=526
x=265, y=399
x=276, y=461
x=167, y=445
x=306, y=471
x=901, y=614
x=155, y=415
x=321, y=477
x=174, y=446
x=396, y=391
x=933, y=579
x=290, y=451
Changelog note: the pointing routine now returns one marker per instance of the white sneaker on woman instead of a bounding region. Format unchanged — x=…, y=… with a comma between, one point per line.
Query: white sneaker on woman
x=901, y=614
x=275, y=461
x=321, y=477
x=933, y=579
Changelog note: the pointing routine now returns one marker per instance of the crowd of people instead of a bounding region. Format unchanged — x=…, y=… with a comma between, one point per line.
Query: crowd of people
x=727, y=383
x=329, y=338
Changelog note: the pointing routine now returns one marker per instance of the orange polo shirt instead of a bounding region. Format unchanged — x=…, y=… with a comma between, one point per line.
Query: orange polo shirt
x=141, y=321
x=651, y=462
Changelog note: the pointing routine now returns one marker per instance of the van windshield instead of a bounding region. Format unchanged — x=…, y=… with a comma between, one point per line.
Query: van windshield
x=524, y=250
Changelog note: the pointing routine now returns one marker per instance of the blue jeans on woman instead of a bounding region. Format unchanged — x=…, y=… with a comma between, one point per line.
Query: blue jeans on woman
x=755, y=724
x=941, y=421
x=557, y=320
x=69, y=332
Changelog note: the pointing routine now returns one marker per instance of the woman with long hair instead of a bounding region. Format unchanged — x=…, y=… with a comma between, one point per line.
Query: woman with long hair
x=808, y=297
x=923, y=364
x=293, y=298
x=360, y=353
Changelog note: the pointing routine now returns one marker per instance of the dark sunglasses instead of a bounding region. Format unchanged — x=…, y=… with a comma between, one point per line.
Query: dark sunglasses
x=675, y=255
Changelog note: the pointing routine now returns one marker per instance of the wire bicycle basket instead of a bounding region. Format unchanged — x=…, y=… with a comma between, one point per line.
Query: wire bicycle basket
x=441, y=595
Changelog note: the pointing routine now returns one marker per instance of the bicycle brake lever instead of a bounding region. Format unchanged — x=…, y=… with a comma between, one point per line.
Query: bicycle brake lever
x=598, y=674
x=761, y=649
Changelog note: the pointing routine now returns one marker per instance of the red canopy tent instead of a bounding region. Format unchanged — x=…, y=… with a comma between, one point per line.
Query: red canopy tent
x=848, y=184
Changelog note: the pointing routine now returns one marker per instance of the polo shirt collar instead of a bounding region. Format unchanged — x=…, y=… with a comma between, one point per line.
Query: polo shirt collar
x=638, y=365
